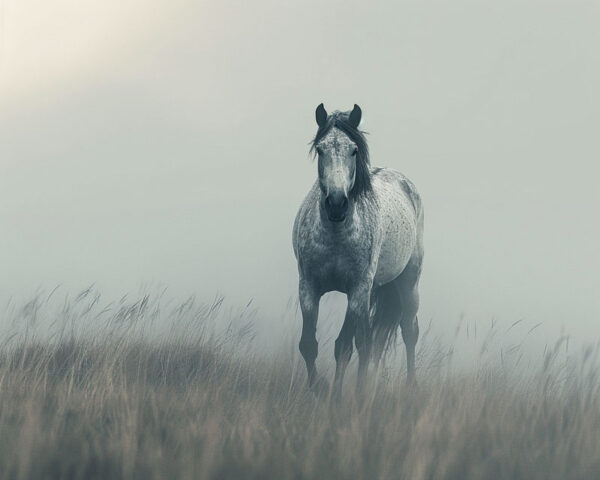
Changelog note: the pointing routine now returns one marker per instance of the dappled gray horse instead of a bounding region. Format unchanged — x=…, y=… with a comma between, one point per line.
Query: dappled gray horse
x=359, y=231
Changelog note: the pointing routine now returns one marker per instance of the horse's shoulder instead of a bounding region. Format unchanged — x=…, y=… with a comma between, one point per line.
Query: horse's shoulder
x=304, y=216
x=308, y=203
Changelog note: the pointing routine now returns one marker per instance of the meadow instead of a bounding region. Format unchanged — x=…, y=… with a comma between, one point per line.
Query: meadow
x=142, y=390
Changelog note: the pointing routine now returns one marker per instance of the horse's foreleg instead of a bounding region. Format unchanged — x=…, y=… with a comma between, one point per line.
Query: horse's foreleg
x=309, y=304
x=362, y=339
x=363, y=346
x=356, y=324
x=343, y=353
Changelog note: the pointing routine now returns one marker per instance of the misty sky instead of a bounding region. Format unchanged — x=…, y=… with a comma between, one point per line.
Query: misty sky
x=167, y=144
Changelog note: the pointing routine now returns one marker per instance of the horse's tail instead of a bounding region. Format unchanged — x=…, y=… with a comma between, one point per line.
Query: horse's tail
x=385, y=320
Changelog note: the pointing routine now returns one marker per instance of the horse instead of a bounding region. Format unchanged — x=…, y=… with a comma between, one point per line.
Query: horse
x=358, y=231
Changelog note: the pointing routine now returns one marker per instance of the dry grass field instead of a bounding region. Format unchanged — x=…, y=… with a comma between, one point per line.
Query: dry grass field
x=110, y=400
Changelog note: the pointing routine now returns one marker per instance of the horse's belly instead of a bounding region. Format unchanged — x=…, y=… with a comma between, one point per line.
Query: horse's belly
x=397, y=248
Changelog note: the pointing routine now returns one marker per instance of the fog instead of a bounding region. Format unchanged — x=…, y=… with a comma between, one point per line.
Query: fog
x=167, y=145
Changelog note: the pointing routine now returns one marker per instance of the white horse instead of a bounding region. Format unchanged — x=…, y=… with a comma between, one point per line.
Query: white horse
x=359, y=231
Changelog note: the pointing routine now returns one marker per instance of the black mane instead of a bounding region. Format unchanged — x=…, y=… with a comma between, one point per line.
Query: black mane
x=362, y=182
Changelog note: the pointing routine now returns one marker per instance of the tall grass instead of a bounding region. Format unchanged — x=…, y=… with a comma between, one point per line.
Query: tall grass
x=146, y=390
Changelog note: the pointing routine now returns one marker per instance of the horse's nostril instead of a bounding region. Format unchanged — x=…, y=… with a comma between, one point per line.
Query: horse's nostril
x=339, y=202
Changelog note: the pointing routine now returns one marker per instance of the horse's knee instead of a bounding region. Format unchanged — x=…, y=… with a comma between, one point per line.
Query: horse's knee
x=309, y=347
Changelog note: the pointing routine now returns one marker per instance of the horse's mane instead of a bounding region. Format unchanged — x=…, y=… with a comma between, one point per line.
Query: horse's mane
x=362, y=182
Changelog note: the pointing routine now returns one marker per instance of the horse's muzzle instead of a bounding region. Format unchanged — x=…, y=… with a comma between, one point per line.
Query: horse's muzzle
x=336, y=205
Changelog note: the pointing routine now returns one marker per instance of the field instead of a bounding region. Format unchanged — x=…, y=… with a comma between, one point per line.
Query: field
x=102, y=392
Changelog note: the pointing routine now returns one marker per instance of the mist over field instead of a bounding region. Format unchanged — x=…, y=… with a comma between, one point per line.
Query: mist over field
x=152, y=160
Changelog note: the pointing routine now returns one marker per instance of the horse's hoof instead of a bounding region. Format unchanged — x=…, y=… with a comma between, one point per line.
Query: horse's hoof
x=320, y=387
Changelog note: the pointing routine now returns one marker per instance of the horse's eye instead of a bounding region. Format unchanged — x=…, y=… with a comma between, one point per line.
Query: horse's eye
x=354, y=152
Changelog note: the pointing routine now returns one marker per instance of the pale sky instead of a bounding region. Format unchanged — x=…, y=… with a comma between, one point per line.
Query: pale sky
x=166, y=143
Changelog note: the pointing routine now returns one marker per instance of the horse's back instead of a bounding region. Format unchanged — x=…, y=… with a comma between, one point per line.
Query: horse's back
x=401, y=217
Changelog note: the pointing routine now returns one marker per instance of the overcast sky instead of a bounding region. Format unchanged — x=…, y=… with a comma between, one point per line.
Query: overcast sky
x=165, y=143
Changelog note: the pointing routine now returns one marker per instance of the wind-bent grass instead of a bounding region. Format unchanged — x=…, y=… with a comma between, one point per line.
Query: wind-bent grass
x=198, y=403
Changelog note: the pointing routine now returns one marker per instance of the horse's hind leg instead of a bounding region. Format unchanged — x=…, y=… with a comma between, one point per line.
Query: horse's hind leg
x=385, y=320
x=309, y=304
x=407, y=285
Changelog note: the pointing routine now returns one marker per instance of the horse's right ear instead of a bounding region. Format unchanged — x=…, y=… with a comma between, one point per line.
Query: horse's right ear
x=321, y=115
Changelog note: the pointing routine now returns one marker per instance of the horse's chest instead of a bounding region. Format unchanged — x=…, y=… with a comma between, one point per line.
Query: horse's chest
x=336, y=264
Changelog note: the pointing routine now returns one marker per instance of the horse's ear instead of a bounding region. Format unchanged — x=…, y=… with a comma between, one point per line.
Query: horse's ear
x=355, y=116
x=321, y=115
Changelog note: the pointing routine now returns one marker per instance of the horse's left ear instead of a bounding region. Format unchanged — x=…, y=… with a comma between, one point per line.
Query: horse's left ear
x=355, y=116
x=321, y=115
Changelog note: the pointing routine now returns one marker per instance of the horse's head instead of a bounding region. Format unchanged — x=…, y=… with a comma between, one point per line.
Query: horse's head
x=341, y=151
